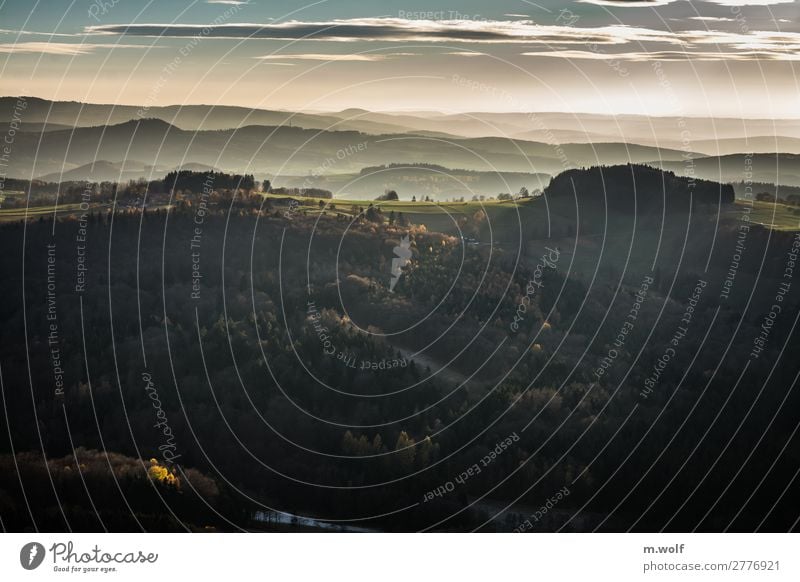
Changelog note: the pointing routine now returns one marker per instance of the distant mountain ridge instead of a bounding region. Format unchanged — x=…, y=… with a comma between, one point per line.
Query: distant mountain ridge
x=774, y=168
x=188, y=117
x=710, y=136
x=106, y=171
x=280, y=151
x=280, y=143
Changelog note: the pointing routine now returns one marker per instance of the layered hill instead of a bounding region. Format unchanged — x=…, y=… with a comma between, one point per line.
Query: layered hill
x=292, y=151
x=638, y=188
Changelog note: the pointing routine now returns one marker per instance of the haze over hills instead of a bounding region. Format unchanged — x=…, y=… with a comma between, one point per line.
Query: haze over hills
x=105, y=171
x=702, y=133
x=189, y=117
x=717, y=136
x=780, y=168
x=277, y=151
x=421, y=180
x=763, y=144
x=90, y=141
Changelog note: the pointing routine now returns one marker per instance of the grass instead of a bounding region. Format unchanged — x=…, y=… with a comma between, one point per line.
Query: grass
x=344, y=204
x=13, y=214
x=776, y=216
x=435, y=216
x=439, y=217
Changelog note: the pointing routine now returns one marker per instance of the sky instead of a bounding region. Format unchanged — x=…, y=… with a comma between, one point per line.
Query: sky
x=732, y=58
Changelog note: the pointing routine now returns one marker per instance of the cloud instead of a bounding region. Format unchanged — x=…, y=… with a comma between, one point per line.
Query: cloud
x=231, y=2
x=750, y=2
x=753, y=45
x=711, y=18
x=654, y=3
x=398, y=30
x=360, y=57
x=628, y=3
x=466, y=54
x=786, y=42
x=59, y=48
x=645, y=56
x=35, y=33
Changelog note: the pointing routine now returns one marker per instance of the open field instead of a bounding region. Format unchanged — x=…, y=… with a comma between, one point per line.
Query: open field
x=435, y=216
x=406, y=206
x=12, y=214
x=776, y=216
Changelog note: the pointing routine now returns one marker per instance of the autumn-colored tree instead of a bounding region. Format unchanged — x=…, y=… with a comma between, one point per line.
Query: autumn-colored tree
x=161, y=474
x=406, y=451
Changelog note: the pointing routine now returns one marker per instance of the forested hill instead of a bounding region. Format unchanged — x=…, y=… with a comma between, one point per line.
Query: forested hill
x=631, y=186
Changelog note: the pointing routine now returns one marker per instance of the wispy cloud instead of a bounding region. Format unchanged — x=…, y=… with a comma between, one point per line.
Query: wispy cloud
x=398, y=30
x=644, y=56
x=629, y=3
x=785, y=42
x=712, y=18
x=36, y=33
x=231, y=2
x=359, y=57
x=750, y=2
x=466, y=54
x=654, y=3
x=59, y=48
x=750, y=45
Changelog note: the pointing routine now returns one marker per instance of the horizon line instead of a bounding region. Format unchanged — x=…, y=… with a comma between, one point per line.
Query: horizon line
x=401, y=111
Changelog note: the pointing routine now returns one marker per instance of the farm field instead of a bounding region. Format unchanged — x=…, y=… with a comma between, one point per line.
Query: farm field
x=776, y=216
